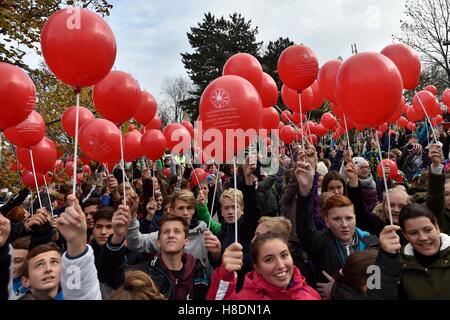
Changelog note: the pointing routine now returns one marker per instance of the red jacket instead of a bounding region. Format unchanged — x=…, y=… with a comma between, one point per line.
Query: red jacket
x=256, y=288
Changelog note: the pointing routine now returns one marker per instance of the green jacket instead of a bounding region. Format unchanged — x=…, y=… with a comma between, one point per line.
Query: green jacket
x=203, y=215
x=419, y=283
x=436, y=201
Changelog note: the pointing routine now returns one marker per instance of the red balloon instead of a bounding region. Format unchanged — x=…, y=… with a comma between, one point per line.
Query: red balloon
x=44, y=156
x=327, y=79
x=328, y=121
x=177, y=137
x=78, y=46
x=298, y=67
x=431, y=89
x=424, y=99
x=167, y=172
x=411, y=126
x=270, y=118
x=280, y=125
x=286, y=116
x=318, y=98
x=436, y=110
x=268, y=91
x=27, y=133
x=227, y=103
x=446, y=97
x=132, y=146
x=438, y=119
x=336, y=110
x=412, y=115
x=392, y=166
x=117, y=97
x=287, y=134
x=198, y=176
x=369, y=88
x=188, y=127
x=69, y=117
x=17, y=95
x=246, y=66
x=146, y=110
x=28, y=179
x=154, y=124
x=335, y=136
x=100, y=140
x=290, y=99
x=402, y=122
x=407, y=62
x=87, y=170
x=153, y=144
x=398, y=112
x=321, y=130
x=383, y=127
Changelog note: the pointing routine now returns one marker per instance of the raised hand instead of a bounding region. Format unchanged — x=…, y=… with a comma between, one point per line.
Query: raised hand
x=351, y=170
x=212, y=243
x=232, y=258
x=389, y=239
x=436, y=155
x=5, y=229
x=201, y=199
x=304, y=174
x=72, y=225
x=325, y=288
x=120, y=221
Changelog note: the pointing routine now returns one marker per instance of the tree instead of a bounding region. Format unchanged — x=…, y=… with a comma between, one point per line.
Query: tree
x=21, y=22
x=426, y=30
x=176, y=89
x=214, y=41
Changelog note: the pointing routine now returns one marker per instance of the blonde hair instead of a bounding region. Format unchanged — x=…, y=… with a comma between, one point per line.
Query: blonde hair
x=230, y=194
x=137, y=286
x=277, y=224
x=184, y=195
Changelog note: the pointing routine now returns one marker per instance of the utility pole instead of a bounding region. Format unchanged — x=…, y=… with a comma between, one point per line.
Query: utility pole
x=354, y=48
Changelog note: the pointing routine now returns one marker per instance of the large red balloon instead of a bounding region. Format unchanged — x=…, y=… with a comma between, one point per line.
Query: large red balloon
x=69, y=117
x=117, y=97
x=327, y=79
x=246, y=66
x=270, y=118
x=78, y=46
x=153, y=144
x=298, y=67
x=155, y=123
x=398, y=112
x=402, y=122
x=17, y=95
x=268, y=91
x=100, y=140
x=230, y=102
x=446, y=97
x=44, y=156
x=411, y=126
x=412, y=115
x=424, y=99
x=188, y=127
x=290, y=99
x=392, y=166
x=407, y=62
x=147, y=108
x=27, y=133
x=28, y=179
x=177, y=136
x=321, y=130
x=287, y=134
x=318, y=98
x=132, y=146
x=336, y=110
x=198, y=176
x=286, y=116
x=369, y=88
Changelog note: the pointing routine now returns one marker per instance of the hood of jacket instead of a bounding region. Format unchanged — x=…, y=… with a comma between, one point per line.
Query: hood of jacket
x=445, y=243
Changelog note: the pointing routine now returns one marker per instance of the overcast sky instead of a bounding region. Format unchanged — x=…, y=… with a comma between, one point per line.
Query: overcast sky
x=151, y=34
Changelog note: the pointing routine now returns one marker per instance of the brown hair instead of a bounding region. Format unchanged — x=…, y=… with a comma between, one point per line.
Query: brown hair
x=22, y=243
x=16, y=214
x=277, y=224
x=103, y=213
x=42, y=248
x=330, y=176
x=414, y=210
x=354, y=272
x=168, y=218
x=137, y=286
x=336, y=201
x=260, y=239
x=184, y=195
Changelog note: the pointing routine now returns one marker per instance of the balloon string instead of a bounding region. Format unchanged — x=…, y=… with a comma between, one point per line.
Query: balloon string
x=389, y=140
x=214, y=197
x=428, y=118
x=75, y=150
x=196, y=176
x=1, y=147
x=301, y=119
x=48, y=194
x=348, y=136
x=384, y=179
x=122, y=163
x=235, y=202
x=35, y=178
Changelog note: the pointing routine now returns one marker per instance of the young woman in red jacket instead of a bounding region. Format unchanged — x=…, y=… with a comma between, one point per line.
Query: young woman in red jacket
x=274, y=277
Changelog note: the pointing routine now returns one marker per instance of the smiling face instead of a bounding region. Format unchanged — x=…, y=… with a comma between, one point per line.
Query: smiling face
x=44, y=271
x=275, y=263
x=341, y=221
x=423, y=235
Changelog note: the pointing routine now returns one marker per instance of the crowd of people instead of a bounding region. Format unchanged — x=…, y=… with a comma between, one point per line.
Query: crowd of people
x=319, y=226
